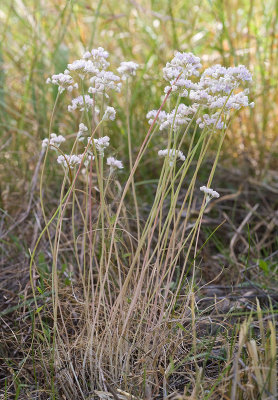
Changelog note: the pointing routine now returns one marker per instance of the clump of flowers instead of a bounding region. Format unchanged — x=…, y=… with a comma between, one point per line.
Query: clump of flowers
x=215, y=92
x=114, y=164
x=162, y=117
x=109, y=114
x=54, y=141
x=101, y=144
x=103, y=82
x=98, y=57
x=210, y=95
x=81, y=103
x=172, y=154
x=64, y=82
x=182, y=67
x=209, y=193
x=127, y=69
x=211, y=121
x=69, y=160
x=91, y=72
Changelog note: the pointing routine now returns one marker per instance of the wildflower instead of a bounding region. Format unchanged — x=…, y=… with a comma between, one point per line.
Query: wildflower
x=99, y=57
x=240, y=73
x=75, y=159
x=110, y=113
x=172, y=154
x=185, y=64
x=64, y=82
x=217, y=85
x=127, y=69
x=82, y=129
x=103, y=82
x=210, y=193
x=179, y=117
x=54, y=140
x=213, y=121
x=182, y=66
x=101, y=144
x=219, y=79
x=78, y=67
x=235, y=101
x=114, y=164
x=78, y=103
x=162, y=116
x=181, y=86
x=69, y=160
x=90, y=68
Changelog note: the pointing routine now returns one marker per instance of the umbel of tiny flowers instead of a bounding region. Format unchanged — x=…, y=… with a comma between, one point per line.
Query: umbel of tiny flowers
x=172, y=154
x=82, y=129
x=162, y=117
x=75, y=159
x=209, y=193
x=69, y=160
x=211, y=121
x=114, y=164
x=178, y=118
x=78, y=103
x=183, y=65
x=216, y=88
x=54, y=141
x=103, y=82
x=217, y=91
x=109, y=114
x=98, y=57
x=127, y=69
x=101, y=144
x=81, y=68
x=64, y=82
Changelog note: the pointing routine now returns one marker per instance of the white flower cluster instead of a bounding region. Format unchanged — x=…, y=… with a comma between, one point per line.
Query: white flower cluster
x=64, y=82
x=92, y=67
x=114, y=164
x=162, y=117
x=78, y=103
x=54, y=140
x=109, y=114
x=91, y=63
x=213, y=121
x=182, y=66
x=103, y=82
x=180, y=118
x=80, y=134
x=83, y=68
x=210, y=193
x=101, y=144
x=217, y=90
x=175, y=119
x=69, y=160
x=98, y=57
x=127, y=69
x=74, y=160
x=172, y=154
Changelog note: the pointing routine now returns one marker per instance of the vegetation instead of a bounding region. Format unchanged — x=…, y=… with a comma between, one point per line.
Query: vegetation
x=120, y=278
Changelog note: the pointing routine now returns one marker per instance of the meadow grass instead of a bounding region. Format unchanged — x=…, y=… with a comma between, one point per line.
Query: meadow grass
x=130, y=285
